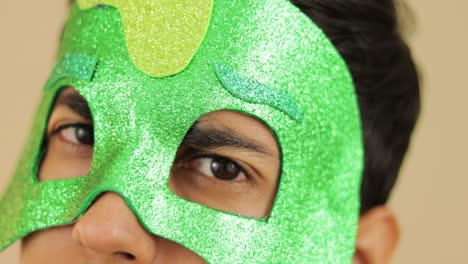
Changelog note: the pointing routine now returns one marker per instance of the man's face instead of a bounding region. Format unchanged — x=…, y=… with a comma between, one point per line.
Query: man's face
x=251, y=152
x=227, y=161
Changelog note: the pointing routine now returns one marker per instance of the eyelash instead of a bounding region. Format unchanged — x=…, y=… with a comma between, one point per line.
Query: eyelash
x=61, y=128
x=195, y=154
x=192, y=153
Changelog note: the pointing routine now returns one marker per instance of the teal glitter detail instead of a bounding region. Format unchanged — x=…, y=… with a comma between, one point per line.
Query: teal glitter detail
x=73, y=65
x=252, y=91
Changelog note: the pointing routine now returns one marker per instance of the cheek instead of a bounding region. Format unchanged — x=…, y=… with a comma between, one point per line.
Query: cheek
x=59, y=162
x=241, y=199
x=54, y=245
x=171, y=252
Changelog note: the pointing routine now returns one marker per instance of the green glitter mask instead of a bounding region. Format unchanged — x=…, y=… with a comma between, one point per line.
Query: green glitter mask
x=146, y=85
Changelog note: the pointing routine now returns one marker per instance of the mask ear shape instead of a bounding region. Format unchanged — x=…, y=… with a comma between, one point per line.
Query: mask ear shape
x=230, y=162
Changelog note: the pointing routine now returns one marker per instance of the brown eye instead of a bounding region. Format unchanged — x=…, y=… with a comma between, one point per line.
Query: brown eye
x=220, y=168
x=77, y=134
x=228, y=161
x=224, y=169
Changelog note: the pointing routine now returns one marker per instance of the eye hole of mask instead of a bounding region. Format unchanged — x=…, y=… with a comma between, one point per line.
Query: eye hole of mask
x=69, y=139
x=228, y=161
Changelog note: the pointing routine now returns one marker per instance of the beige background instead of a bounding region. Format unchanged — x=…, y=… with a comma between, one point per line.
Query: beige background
x=431, y=196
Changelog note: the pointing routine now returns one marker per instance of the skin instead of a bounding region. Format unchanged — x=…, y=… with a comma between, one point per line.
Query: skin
x=109, y=232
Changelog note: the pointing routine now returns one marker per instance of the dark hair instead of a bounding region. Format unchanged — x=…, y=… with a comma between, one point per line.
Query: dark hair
x=387, y=85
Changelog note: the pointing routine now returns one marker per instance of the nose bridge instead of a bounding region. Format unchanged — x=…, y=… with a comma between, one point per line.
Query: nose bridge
x=134, y=137
x=110, y=230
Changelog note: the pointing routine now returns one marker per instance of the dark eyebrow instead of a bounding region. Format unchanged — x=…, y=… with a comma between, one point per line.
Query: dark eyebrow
x=76, y=103
x=210, y=137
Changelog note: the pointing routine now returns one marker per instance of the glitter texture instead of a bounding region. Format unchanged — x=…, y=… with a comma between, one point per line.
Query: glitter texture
x=140, y=120
x=162, y=36
x=254, y=92
x=73, y=65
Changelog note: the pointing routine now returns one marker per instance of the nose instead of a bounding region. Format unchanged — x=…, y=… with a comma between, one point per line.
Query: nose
x=109, y=232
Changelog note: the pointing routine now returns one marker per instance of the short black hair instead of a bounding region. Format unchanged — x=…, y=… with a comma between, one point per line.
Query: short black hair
x=366, y=34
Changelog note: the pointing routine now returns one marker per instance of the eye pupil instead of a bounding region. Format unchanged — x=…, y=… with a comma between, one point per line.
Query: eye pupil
x=224, y=169
x=84, y=135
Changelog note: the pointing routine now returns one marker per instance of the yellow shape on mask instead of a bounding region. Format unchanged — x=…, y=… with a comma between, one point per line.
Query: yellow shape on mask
x=162, y=36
